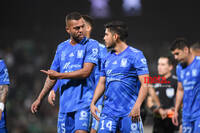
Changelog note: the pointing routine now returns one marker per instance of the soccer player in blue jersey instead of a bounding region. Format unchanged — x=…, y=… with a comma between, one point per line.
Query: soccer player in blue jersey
x=4, y=82
x=188, y=90
x=102, y=54
x=122, y=69
x=74, y=60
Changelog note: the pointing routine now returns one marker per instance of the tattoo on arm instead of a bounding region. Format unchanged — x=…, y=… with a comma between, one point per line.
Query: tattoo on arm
x=49, y=83
x=3, y=93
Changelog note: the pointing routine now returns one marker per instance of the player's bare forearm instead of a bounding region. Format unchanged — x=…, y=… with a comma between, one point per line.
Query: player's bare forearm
x=79, y=74
x=49, y=83
x=143, y=90
x=99, y=90
x=179, y=96
x=3, y=93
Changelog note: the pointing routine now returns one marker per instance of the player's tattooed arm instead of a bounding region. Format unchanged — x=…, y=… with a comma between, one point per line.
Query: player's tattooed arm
x=49, y=83
x=3, y=93
x=78, y=74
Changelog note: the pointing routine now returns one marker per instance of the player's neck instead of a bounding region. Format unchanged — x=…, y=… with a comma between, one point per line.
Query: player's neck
x=120, y=47
x=167, y=75
x=190, y=58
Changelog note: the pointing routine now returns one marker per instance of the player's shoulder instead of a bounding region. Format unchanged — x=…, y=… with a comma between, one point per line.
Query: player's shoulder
x=134, y=50
x=93, y=41
x=2, y=64
x=179, y=67
x=101, y=45
x=197, y=57
x=63, y=44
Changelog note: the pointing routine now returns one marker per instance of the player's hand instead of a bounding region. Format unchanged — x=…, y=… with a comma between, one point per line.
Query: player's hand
x=0, y=114
x=93, y=110
x=52, y=97
x=51, y=73
x=135, y=113
x=163, y=113
x=35, y=106
x=175, y=118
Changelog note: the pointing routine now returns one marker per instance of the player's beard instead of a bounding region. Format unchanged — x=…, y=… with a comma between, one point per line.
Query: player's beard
x=112, y=46
x=77, y=38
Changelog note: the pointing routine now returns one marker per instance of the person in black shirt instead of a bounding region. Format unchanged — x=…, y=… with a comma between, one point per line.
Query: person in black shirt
x=165, y=87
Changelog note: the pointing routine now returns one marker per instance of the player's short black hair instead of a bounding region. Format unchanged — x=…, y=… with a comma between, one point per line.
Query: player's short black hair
x=88, y=19
x=73, y=16
x=170, y=59
x=118, y=27
x=179, y=43
x=195, y=46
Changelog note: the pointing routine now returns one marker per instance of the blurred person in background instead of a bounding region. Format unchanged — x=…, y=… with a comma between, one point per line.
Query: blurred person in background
x=188, y=90
x=72, y=65
x=122, y=68
x=195, y=49
x=166, y=92
x=4, y=82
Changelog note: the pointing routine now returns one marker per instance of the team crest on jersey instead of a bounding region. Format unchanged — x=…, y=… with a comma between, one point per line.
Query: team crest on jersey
x=123, y=62
x=80, y=54
x=63, y=55
x=194, y=73
x=95, y=51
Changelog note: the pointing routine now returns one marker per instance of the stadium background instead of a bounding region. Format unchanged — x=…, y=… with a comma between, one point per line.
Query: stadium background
x=30, y=30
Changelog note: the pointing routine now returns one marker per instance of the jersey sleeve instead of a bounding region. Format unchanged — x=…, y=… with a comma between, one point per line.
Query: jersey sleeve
x=56, y=86
x=102, y=71
x=140, y=64
x=56, y=62
x=178, y=73
x=92, y=53
x=4, y=77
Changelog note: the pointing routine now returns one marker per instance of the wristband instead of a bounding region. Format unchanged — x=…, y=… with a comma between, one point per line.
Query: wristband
x=1, y=106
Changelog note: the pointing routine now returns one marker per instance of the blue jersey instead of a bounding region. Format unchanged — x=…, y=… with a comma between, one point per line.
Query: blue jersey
x=75, y=94
x=190, y=79
x=56, y=86
x=122, y=82
x=4, y=80
x=102, y=54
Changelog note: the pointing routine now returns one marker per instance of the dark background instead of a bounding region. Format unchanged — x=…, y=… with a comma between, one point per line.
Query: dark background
x=30, y=31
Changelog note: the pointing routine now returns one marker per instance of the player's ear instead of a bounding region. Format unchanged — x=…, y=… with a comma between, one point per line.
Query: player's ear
x=67, y=28
x=115, y=36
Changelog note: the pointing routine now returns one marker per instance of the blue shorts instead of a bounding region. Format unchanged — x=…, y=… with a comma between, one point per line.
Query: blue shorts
x=191, y=127
x=95, y=123
x=3, y=130
x=70, y=122
x=110, y=124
